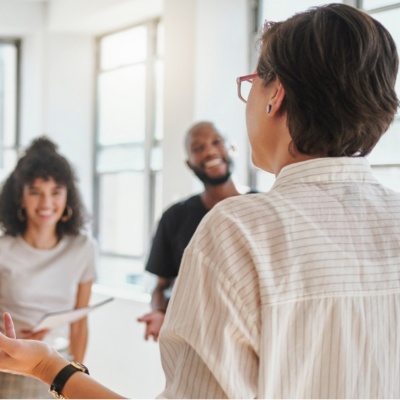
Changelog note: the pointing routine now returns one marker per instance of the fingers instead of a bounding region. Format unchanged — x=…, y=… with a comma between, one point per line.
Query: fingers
x=144, y=318
x=9, y=326
x=150, y=331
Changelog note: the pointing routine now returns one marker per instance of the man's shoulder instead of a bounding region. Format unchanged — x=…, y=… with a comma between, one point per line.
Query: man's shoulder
x=184, y=204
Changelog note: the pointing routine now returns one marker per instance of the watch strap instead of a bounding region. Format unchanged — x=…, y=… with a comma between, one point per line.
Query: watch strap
x=62, y=377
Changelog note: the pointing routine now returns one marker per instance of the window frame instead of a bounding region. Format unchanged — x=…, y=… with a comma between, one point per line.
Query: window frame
x=148, y=145
x=16, y=147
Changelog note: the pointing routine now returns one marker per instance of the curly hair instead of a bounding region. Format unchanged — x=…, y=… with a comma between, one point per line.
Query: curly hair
x=41, y=160
x=338, y=67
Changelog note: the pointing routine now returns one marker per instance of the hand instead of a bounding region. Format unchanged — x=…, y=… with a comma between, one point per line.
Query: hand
x=25, y=357
x=28, y=334
x=153, y=321
x=37, y=359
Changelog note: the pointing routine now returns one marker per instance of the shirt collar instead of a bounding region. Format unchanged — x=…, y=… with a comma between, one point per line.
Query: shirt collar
x=329, y=169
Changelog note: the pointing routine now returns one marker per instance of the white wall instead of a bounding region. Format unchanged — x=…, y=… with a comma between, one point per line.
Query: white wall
x=68, y=100
x=205, y=50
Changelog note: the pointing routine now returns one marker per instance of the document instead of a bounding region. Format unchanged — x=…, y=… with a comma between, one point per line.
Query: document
x=58, y=318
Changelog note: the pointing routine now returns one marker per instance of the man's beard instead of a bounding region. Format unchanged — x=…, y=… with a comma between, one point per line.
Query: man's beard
x=213, y=181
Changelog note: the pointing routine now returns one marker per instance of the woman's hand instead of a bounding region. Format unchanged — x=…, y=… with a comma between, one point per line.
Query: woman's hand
x=37, y=359
x=25, y=357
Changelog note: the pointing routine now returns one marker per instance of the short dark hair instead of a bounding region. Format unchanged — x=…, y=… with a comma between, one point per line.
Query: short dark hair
x=338, y=67
x=41, y=160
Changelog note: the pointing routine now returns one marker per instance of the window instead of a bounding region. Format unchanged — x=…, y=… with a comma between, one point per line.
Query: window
x=369, y=5
x=9, y=67
x=128, y=151
x=385, y=158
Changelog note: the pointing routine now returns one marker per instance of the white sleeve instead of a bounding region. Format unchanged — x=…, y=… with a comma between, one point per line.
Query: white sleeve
x=210, y=339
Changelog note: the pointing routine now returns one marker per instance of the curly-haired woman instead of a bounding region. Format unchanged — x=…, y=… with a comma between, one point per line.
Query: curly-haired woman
x=46, y=262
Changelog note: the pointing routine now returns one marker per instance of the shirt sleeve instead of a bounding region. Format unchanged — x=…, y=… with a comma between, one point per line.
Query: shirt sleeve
x=210, y=339
x=90, y=261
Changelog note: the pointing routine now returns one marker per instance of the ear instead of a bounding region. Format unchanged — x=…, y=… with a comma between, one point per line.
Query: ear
x=276, y=99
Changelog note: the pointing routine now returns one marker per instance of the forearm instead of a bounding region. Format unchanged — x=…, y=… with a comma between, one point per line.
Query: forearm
x=78, y=386
x=37, y=359
x=78, y=339
x=82, y=386
x=159, y=301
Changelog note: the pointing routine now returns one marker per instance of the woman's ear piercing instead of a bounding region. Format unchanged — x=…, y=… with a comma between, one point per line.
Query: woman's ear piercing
x=269, y=107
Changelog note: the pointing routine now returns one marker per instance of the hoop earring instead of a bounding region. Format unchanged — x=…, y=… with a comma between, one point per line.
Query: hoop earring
x=21, y=214
x=269, y=107
x=69, y=214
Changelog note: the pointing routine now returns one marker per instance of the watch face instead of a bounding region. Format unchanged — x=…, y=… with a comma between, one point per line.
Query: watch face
x=80, y=366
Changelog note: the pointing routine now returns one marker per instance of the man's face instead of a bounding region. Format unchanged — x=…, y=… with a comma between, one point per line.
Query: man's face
x=208, y=156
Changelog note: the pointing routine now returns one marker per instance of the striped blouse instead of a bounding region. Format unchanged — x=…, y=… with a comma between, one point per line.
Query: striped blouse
x=294, y=293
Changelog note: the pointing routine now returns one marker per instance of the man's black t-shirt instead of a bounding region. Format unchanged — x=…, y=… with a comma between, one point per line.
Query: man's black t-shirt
x=175, y=229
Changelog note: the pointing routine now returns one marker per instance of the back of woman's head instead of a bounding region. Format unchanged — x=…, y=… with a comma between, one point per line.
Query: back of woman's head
x=40, y=160
x=338, y=67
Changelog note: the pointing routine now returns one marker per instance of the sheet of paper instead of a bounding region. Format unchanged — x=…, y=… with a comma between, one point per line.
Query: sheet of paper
x=51, y=320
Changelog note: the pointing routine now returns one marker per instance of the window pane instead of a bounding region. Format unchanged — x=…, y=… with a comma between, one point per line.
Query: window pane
x=8, y=94
x=158, y=207
x=388, y=176
x=121, y=213
x=123, y=48
x=160, y=39
x=370, y=4
x=117, y=271
x=156, y=158
x=159, y=69
x=122, y=106
x=390, y=20
x=120, y=158
x=280, y=10
x=387, y=149
x=8, y=160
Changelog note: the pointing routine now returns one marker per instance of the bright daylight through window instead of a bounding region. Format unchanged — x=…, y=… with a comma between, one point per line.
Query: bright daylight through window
x=128, y=152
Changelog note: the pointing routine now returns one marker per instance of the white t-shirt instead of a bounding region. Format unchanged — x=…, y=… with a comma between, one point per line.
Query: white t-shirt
x=34, y=282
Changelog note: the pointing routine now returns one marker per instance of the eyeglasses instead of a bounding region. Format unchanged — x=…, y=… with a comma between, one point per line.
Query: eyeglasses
x=244, y=85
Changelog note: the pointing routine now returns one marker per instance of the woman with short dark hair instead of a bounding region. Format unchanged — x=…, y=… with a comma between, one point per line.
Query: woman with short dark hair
x=294, y=293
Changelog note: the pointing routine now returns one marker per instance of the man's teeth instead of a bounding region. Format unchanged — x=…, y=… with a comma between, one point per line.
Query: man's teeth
x=213, y=163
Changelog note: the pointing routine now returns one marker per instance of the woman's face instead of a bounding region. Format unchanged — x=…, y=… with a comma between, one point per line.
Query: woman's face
x=259, y=126
x=44, y=202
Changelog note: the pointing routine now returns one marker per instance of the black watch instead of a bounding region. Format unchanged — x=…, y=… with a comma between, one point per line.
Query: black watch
x=62, y=377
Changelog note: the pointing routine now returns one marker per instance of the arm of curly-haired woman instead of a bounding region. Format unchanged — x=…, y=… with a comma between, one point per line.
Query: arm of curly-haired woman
x=79, y=329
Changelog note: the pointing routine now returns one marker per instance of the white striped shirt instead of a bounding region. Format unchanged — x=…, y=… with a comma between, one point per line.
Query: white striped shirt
x=293, y=293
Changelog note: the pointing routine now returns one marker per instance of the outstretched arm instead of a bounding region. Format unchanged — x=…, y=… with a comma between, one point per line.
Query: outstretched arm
x=37, y=359
x=159, y=303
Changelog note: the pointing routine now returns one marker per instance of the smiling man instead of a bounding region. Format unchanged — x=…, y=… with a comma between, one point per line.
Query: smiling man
x=209, y=157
